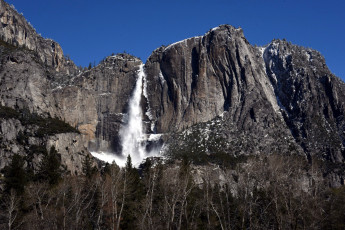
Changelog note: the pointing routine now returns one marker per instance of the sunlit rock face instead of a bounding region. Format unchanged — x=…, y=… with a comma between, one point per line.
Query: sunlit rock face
x=278, y=98
x=96, y=100
x=201, y=77
x=218, y=74
x=22, y=139
x=15, y=30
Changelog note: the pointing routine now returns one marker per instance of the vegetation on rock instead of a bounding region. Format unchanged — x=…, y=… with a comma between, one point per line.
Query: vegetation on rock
x=46, y=125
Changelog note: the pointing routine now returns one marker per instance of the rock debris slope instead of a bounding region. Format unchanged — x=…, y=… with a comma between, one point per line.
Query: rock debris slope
x=208, y=94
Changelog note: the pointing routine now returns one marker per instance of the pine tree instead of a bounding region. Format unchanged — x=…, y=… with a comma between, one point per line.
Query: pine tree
x=129, y=165
x=15, y=175
x=88, y=170
x=49, y=168
x=134, y=194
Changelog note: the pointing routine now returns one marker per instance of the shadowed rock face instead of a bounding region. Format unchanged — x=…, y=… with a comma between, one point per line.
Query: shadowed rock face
x=311, y=98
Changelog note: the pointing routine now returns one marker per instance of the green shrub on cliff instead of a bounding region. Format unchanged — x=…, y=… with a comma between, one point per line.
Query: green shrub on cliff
x=46, y=125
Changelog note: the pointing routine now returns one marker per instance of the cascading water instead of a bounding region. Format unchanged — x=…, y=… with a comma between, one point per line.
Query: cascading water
x=132, y=133
x=133, y=139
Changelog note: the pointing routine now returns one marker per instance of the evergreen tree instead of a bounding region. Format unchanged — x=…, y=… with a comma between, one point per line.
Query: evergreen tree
x=88, y=170
x=15, y=175
x=49, y=168
x=107, y=169
x=129, y=165
x=134, y=194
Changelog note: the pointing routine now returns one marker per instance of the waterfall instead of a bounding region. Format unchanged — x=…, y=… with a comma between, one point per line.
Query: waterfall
x=133, y=138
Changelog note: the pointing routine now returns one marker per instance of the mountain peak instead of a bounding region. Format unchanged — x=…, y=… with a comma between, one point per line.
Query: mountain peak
x=17, y=31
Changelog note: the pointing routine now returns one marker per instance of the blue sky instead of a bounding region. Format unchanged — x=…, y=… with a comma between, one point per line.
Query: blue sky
x=88, y=30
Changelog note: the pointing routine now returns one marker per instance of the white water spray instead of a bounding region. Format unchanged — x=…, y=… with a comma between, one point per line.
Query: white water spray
x=132, y=133
x=133, y=139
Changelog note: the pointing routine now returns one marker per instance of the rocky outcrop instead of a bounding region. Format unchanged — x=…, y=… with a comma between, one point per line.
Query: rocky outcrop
x=93, y=101
x=15, y=30
x=71, y=148
x=22, y=139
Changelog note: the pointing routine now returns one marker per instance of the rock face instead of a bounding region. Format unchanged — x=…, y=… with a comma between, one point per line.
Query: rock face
x=210, y=94
x=71, y=148
x=36, y=77
x=15, y=30
x=25, y=81
x=200, y=78
x=311, y=98
x=23, y=139
x=96, y=100
x=93, y=101
x=280, y=94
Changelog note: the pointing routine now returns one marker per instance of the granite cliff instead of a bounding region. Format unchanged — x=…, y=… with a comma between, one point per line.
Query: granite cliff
x=276, y=98
x=15, y=30
x=212, y=94
x=95, y=100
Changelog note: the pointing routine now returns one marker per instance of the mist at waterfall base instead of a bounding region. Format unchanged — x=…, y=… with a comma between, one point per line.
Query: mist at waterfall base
x=133, y=139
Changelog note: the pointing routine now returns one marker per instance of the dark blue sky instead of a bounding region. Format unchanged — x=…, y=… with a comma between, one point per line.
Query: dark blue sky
x=90, y=30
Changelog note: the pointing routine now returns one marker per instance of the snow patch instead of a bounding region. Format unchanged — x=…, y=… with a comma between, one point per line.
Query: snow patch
x=119, y=57
x=262, y=50
x=308, y=54
x=161, y=78
x=274, y=49
x=215, y=28
x=180, y=42
x=57, y=88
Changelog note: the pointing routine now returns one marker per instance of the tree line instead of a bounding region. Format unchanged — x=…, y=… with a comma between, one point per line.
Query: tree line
x=268, y=192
